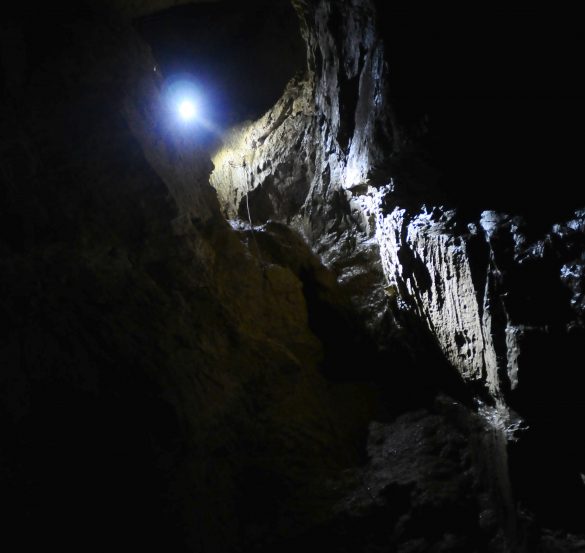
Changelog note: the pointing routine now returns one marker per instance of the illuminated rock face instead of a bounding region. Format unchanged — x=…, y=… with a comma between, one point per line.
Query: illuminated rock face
x=303, y=162
x=500, y=293
x=329, y=158
x=464, y=283
x=325, y=123
x=430, y=266
x=262, y=159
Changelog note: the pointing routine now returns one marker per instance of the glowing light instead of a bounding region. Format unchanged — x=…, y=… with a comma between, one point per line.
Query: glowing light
x=187, y=110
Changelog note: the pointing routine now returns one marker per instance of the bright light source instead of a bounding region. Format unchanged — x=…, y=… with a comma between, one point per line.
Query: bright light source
x=187, y=110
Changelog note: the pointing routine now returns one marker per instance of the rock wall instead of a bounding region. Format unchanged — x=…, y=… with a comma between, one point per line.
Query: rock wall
x=303, y=161
x=329, y=159
x=170, y=380
x=499, y=293
x=160, y=384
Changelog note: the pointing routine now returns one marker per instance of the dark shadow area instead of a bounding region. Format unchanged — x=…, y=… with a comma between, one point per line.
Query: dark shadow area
x=497, y=99
x=548, y=461
x=83, y=469
x=241, y=54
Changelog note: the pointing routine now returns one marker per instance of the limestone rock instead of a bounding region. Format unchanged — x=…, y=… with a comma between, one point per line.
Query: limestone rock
x=499, y=292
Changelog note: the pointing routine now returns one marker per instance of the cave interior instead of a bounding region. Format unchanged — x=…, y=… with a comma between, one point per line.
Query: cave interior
x=339, y=306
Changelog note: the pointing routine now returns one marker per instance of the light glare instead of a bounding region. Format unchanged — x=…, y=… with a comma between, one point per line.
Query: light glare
x=187, y=110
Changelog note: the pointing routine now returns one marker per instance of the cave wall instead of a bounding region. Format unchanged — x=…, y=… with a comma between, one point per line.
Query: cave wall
x=358, y=169
x=155, y=373
x=330, y=157
x=301, y=160
x=162, y=377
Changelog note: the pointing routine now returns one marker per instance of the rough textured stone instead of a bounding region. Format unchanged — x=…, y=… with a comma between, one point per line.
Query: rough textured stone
x=499, y=293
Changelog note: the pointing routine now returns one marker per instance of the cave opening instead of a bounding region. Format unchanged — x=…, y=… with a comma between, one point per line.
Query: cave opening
x=239, y=55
